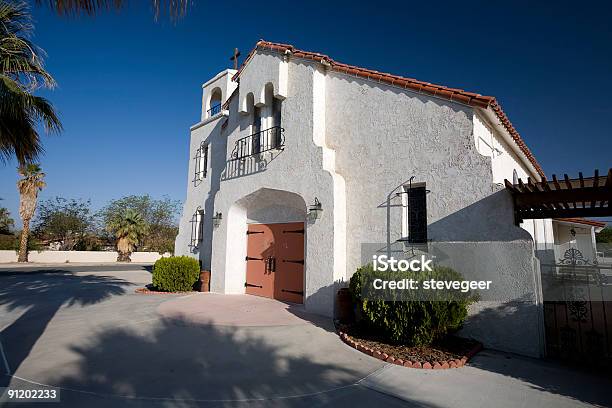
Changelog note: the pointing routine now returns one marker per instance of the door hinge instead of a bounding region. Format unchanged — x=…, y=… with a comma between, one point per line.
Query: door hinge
x=250, y=285
x=295, y=292
x=301, y=231
x=297, y=261
x=254, y=232
x=249, y=258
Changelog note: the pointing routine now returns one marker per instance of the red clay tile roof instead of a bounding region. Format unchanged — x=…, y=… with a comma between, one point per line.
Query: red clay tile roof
x=451, y=94
x=583, y=221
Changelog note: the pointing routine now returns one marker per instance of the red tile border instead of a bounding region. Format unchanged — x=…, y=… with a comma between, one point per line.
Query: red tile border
x=433, y=365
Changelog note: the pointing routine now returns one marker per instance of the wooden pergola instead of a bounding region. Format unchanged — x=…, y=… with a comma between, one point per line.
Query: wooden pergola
x=565, y=198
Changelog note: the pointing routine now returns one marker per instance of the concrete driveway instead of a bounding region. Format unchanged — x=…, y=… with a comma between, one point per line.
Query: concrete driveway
x=83, y=329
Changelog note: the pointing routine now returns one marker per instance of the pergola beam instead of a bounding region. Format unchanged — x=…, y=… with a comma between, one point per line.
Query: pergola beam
x=568, y=198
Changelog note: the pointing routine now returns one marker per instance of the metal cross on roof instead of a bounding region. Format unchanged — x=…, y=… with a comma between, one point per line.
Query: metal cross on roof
x=235, y=58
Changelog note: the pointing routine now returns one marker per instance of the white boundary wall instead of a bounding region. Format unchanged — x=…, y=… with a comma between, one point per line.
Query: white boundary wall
x=78, y=256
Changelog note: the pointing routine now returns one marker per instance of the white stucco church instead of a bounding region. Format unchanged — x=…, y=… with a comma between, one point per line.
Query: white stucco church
x=298, y=160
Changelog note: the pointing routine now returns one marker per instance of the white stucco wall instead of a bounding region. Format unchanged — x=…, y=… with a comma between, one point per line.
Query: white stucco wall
x=505, y=161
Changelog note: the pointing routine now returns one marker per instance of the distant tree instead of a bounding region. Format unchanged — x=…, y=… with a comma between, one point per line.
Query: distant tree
x=31, y=182
x=13, y=241
x=604, y=236
x=6, y=222
x=160, y=217
x=21, y=73
x=129, y=228
x=67, y=222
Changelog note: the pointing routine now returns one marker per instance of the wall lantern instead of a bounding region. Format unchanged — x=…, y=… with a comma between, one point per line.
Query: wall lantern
x=573, y=232
x=217, y=219
x=314, y=210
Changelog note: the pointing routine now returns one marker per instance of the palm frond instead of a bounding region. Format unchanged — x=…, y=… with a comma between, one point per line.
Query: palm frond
x=175, y=8
x=19, y=57
x=20, y=111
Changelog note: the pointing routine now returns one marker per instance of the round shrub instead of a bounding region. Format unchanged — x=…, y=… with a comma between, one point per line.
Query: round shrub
x=175, y=273
x=410, y=322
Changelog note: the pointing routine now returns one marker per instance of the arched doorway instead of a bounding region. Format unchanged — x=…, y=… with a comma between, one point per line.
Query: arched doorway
x=268, y=233
x=275, y=261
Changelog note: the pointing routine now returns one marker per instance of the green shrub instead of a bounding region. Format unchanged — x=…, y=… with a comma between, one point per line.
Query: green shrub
x=175, y=274
x=415, y=322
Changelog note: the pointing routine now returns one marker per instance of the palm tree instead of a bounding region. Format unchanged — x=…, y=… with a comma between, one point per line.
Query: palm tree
x=129, y=228
x=22, y=72
x=31, y=182
x=176, y=8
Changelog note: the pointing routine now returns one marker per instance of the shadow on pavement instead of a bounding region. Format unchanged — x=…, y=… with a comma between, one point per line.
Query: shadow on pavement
x=181, y=363
x=42, y=294
x=548, y=376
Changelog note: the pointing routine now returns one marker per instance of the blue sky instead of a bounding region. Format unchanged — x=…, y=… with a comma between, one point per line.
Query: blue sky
x=130, y=87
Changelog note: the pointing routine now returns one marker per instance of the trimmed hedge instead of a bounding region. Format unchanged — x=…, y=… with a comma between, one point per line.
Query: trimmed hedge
x=415, y=322
x=175, y=273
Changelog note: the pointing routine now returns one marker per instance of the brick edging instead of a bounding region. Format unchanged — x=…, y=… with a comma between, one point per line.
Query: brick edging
x=145, y=291
x=434, y=365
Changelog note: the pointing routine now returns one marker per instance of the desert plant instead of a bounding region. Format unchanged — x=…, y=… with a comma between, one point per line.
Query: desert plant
x=31, y=182
x=128, y=229
x=416, y=322
x=175, y=273
x=160, y=215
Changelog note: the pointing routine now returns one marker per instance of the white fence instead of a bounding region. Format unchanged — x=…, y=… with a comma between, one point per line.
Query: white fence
x=79, y=256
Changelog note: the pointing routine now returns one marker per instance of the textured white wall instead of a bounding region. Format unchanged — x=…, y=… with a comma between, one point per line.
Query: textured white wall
x=382, y=136
x=504, y=161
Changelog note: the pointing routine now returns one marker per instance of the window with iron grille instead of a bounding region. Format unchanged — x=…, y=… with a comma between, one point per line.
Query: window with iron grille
x=196, y=227
x=201, y=162
x=414, y=214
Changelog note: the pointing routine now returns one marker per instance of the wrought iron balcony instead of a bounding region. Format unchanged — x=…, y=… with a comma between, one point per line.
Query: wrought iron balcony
x=214, y=110
x=260, y=142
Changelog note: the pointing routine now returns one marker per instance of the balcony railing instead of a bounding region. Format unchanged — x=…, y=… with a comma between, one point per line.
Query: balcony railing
x=214, y=110
x=260, y=142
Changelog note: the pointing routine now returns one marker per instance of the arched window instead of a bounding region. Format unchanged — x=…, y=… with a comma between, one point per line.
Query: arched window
x=215, y=102
x=201, y=162
x=196, y=227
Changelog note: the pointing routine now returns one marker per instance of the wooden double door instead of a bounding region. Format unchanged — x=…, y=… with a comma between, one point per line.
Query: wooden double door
x=275, y=261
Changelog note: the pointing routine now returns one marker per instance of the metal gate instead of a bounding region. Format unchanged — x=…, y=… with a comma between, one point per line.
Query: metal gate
x=578, y=309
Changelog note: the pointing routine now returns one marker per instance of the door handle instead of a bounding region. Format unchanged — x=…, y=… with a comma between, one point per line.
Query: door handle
x=271, y=264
